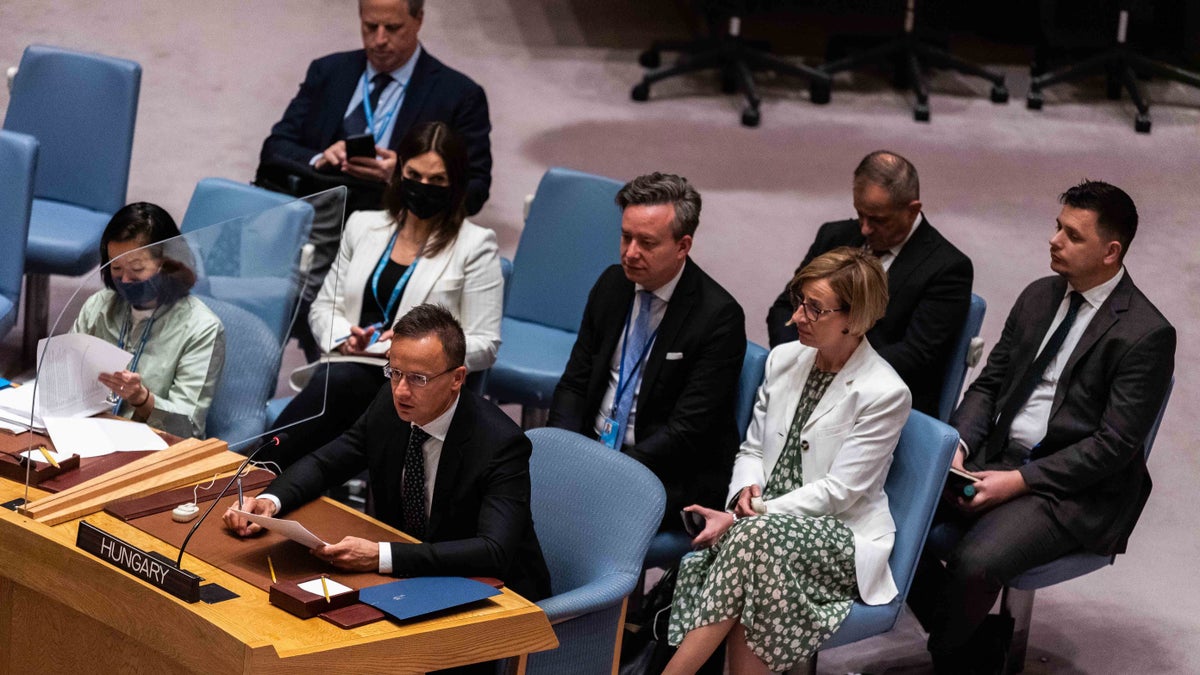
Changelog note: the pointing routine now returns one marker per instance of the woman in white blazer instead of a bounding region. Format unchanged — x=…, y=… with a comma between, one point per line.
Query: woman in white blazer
x=808, y=529
x=420, y=250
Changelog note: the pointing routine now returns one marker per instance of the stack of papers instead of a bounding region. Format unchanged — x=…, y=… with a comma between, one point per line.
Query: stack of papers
x=68, y=385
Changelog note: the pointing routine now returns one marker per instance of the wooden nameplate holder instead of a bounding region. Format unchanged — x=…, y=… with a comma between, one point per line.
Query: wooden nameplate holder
x=184, y=463
x=288, y=596
x=12, y=459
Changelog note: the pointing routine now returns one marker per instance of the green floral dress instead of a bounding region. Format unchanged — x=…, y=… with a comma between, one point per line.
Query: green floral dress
x=789, y=578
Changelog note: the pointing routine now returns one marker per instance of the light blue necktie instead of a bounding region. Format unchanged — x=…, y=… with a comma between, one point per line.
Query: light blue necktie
x=635, y=348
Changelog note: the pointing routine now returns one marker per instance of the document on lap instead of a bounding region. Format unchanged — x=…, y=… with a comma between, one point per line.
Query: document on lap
x=288, y=528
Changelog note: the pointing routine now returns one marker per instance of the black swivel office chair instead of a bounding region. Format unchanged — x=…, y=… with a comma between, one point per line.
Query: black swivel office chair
x=1119, y=63
x=913, y=53
x=727, y=51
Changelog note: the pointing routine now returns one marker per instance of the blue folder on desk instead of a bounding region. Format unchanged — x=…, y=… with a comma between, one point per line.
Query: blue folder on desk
x=410, y=598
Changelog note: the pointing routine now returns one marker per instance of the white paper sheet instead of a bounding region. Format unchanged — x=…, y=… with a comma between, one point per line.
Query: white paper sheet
x=68, y=368
x=37, y=456
x=288, y=528
x=90, y=437
x=314, y=586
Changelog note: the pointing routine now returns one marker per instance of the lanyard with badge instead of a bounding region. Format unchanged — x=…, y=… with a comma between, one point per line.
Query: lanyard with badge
x=611, y=432
x=398, y=290
x=137, y=355
x=370, y=114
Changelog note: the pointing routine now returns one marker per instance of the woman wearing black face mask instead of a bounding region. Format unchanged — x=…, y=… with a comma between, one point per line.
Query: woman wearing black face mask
x=178, y=344
x=419, y=250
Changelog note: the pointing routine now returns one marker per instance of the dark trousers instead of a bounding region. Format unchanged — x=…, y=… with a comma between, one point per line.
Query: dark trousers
x=951, y=601
x=352, y=387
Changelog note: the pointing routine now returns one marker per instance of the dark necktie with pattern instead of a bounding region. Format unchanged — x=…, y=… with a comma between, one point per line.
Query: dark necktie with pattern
x=412, y=489
x=356, y=122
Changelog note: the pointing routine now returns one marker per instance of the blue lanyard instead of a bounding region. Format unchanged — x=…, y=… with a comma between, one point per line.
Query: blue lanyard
x=399, y=288
x=370, y=114
x=137, y=355
x=622, y=383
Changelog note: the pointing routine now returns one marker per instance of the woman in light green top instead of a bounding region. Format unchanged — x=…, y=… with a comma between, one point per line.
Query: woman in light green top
x=178, y=344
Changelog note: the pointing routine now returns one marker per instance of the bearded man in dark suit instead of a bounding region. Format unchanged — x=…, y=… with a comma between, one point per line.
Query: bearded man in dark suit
x=929, y=280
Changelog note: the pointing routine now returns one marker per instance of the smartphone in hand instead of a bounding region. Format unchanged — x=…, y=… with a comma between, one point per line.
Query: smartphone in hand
x=693, y=523
x=360, y=145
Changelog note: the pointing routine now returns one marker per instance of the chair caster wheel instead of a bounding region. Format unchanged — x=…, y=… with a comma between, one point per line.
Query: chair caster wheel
x=999, y=94
x=750, y=117
x=651, y=58
x=1141, y=123
x=641, y=92
x=921, y=112
x=1033, y=100
x=819, y=92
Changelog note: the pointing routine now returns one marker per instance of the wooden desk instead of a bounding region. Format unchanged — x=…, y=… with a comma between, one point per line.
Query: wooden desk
x=64, y=611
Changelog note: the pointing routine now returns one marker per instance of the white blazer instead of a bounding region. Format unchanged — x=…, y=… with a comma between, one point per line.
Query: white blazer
x=464, y=277
x=850, y=437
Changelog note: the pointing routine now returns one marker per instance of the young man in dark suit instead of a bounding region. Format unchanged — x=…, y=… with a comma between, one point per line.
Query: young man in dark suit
x=929, y=280
x=1055, y=426
x=446, y=466
x=655, y=367
x=306, y=151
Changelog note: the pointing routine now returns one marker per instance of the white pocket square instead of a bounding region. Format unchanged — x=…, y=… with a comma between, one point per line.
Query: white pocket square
x=674, y=356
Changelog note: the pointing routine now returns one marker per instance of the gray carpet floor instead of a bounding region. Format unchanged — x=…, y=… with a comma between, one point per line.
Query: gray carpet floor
x=218, y=74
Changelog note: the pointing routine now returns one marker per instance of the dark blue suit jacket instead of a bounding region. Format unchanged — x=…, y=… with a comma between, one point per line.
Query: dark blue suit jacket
x=436, y=92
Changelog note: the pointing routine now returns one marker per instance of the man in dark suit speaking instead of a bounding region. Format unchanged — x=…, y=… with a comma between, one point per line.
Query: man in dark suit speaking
x=1055, y=425
x=655, y=367
x=445, y=466
x=929, y=280
x=384, y=89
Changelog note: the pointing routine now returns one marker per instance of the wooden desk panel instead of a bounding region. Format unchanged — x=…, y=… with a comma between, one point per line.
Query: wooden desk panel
x=63, y=610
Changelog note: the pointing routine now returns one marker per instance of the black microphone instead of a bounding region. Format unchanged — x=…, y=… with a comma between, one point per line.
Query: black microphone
x=275, y=440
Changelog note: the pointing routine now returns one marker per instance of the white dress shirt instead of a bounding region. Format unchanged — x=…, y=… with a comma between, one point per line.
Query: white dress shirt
x=437, y=430
x=1029, y=425
x=663, y=294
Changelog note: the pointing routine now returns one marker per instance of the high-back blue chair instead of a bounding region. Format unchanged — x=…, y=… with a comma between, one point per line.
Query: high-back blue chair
x=965, y=354
x=18, y=162
x=1016, y=600
x=668, y=547
x=81, y=108
x=250, y=263
x=594, y=535
x=914, y=483
x=252, y=356
x=571, y=235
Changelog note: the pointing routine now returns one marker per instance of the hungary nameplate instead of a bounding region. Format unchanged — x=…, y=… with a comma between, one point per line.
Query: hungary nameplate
x=152, y=568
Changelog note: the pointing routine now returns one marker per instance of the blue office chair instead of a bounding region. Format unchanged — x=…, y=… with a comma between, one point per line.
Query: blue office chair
x=18, y=162
x=81, y=108
x=231, y=259
x=571, y=235
x=1016, y=600
x=668, y=547
x=252, y=357
x=914, y=483
x=594, y=535
x=968, y=348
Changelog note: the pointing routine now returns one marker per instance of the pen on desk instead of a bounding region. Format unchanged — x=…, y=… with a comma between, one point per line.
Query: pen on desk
x=49, y=457
x=325, y=587
x=271, y=566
